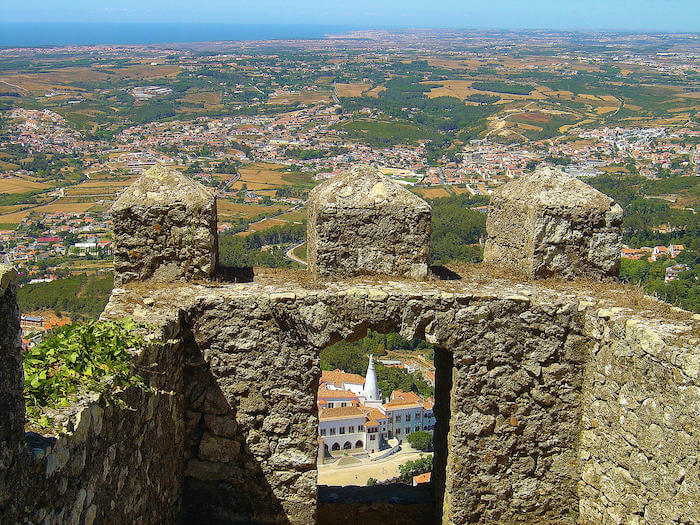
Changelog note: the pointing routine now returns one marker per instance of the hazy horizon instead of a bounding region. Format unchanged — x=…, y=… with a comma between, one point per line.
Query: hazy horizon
x=577, y=15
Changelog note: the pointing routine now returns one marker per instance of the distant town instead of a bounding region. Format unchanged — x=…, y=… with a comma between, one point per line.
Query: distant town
x=261, y=123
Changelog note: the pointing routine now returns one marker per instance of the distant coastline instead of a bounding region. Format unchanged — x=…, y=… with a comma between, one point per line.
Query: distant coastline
x=26, y=34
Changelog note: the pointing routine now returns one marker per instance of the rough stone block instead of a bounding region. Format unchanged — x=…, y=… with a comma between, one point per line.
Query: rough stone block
x=550, y=224
x=11, y=375
x=164, y=229
x=363, y=223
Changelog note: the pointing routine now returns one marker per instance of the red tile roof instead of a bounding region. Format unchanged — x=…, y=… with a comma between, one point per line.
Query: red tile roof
x=338, y=377
x=325, y=393
x=340, y=412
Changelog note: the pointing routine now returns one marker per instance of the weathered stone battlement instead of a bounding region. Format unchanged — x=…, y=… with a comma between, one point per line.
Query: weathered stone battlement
x=550, y=224
x=556, y=402
x=164, y=229
x=362, y=222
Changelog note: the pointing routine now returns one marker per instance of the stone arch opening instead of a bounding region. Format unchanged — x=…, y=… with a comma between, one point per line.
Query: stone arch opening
x=347, y=445
x=380, y=462
x=507, y=372
x=335, y=446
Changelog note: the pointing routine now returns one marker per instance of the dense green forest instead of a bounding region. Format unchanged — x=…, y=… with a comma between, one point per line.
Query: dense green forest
x=243, y=251
x=683, y=291
x=81, y=296
x=354, y=359
x=457, y=229
x=641, y=215
x=503, y=87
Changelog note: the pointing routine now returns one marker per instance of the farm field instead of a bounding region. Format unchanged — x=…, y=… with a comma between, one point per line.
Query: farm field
x=304, y=97
x=452, y=88
x=268, y=176
x=460, y=191
x=62, y=78
x=262, y=225
x=206, y=97
x=374, y=92
x=103, y=188
x=227, y=210
x=295, y=217
x=20, y=185
x=351, y=90
x=57, y=207
x=432, y=193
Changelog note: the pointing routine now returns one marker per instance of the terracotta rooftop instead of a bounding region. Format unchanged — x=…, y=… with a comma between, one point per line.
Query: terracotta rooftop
x=401, y=398
x=325, y=393
x=421, y=478
x=339, y=377
x=339, y=412
x=375, y=414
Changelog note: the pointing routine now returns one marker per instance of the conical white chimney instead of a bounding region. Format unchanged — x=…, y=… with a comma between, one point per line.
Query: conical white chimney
x=371, y=391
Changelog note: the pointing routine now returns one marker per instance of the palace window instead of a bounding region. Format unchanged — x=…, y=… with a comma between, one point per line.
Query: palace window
x=408, y=418
x=351, y=429
x=323, y=431
x=398, y=419
x=332, y=431
x=341, y=430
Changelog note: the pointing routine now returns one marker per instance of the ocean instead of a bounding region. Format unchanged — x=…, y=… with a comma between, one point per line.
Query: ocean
x=55, y=34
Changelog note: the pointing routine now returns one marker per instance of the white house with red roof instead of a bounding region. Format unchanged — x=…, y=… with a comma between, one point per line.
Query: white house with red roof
x=353, y=417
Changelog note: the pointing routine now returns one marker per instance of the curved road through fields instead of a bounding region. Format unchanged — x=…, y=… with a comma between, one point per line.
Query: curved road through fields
x=290, y=254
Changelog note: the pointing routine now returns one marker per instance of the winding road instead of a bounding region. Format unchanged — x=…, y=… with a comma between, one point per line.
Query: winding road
x=290, y=254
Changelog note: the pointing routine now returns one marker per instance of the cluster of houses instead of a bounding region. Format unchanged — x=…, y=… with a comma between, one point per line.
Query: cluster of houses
x=354, y=417
x=90, y=236
x=34, y=327
x=650, y=148
x=652, y=254
x=45, y=131
x=673, y=271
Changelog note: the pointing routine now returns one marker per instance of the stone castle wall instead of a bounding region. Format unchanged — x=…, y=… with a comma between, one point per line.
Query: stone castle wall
x=534, y=434
x=117, y=460
x=641, y=434
x=515, y=441
x=12, y=447
x=553, y=403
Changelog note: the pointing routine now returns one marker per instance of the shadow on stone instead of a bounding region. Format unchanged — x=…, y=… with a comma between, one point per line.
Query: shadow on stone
x=37, y=444
x=224, y=482
x=444, y=274
x=234, y=274
x=392, y=504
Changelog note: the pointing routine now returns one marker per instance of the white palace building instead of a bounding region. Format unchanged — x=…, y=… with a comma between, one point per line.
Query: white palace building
x=353, y=417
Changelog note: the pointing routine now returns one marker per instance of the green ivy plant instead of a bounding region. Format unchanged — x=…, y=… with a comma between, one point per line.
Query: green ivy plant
x=92, y=356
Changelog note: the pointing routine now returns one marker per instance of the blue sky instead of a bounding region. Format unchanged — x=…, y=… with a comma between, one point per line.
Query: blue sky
x=661, y=15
